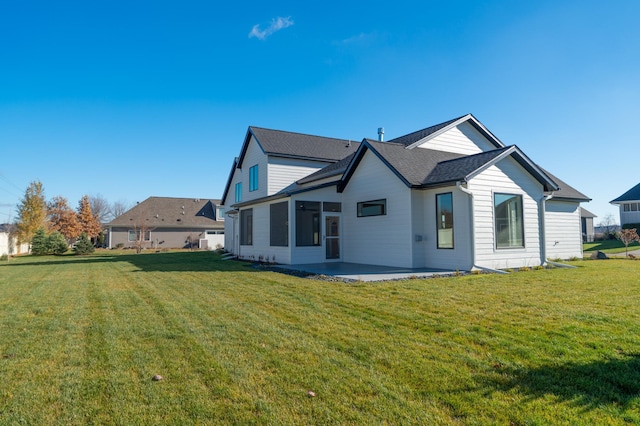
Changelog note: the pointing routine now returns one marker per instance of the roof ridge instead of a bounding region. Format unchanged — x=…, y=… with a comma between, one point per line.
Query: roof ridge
x=302, y=134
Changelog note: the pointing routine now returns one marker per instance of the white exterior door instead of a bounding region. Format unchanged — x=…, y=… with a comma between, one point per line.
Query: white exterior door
x=332, y=237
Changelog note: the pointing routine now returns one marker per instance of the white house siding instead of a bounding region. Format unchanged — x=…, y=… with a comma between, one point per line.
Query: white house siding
x=628, y=217
x=462, y=139
x=377, y=240
x=4, y=243
x=506, y=177
x=254, y=155
x=282, y=172
x=460, y=256
x=563, y=229
x=261, y=248
x=316, y=254
x=419, y=228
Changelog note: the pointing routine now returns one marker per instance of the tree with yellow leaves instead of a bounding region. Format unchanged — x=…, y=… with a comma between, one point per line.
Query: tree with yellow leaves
x=32, y=212
x=62, y=218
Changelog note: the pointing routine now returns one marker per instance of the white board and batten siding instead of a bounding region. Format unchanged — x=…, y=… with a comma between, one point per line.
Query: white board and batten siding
x=282, y=172
x=462, y=139
x=377, y=240
x=507, y=177
x=563, y=229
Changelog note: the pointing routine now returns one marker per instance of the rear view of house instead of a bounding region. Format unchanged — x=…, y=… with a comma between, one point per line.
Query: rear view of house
x=447, y=196
x=629, y=204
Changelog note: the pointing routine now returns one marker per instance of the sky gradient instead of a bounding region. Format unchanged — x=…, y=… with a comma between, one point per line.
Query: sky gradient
x=136, y=99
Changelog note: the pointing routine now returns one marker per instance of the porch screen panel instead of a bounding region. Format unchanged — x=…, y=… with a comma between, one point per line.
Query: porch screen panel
x=509, y=220
x=246, y=227
x=307, y=223
x=279, y=224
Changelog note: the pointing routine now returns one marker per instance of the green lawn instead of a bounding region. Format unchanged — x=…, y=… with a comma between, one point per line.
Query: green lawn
x=609, y=246
x=81, y=338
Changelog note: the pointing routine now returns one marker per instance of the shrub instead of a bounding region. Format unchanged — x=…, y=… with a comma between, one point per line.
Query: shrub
x=4, y=257
x=631, y=226
x=83, y=245
x=57, y=243
x=40, y=243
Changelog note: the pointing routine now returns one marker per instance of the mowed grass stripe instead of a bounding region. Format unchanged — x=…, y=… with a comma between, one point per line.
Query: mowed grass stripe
x=237, y=345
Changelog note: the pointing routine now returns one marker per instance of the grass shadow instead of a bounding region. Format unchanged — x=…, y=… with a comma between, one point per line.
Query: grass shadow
x=614, y=381
x=198, y=261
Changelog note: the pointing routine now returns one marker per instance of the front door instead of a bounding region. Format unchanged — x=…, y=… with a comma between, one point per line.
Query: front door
x=332, y=237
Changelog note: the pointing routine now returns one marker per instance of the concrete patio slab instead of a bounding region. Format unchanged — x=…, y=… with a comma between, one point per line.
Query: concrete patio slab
x=362, y=272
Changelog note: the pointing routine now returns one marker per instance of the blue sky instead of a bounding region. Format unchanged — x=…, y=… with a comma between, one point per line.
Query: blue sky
x=134, y=99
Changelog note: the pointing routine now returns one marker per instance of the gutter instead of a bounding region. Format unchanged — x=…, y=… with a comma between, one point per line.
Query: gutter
x=473, y=236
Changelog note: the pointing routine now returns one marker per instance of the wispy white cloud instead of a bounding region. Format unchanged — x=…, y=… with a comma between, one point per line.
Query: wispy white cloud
x=358, y=39
x=276, y=25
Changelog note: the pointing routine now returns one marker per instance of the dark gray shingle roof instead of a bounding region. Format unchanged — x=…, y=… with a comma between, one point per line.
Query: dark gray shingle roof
x=168, y=212
x=631, y=195
x=299, y=145
x=421, y=134
x=566, y=191
x=334, y=169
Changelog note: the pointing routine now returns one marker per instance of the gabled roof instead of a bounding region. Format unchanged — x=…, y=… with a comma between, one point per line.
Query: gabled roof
x=424, y=168
x=421, y=136
x=228, y=184
x=631, y=195
x=170, y=212
x=586, y=213
x=566, y=191
x=334, y=169
x=298, y=145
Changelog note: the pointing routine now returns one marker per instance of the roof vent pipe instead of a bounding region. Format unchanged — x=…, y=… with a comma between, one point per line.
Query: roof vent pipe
x=380, y=134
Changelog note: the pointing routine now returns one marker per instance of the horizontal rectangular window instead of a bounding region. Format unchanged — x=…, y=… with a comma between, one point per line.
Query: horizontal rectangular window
x=215, y=232
x=331, y=207
x=135, y=236
x=372, y=208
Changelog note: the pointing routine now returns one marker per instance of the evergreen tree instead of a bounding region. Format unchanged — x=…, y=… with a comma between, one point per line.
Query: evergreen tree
x=32, y=212
x=62, y=218
x=83, y=245
x=40, y=243
x=89, y=223
x=57, y=243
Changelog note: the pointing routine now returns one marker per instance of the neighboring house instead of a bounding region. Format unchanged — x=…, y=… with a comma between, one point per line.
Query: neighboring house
x=588, y=230
x=629, y=204
x=448, y=196
x=9, y=244
x=168, y=222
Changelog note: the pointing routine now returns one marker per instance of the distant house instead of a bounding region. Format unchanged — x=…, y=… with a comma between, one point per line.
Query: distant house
x=9, y=244
x=168, y=222
x=447, y=196
x=629, y=204
x=588, y=230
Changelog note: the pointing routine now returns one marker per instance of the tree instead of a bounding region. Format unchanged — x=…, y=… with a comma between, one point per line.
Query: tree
x=627, y=236
x=609, y=226
x=118, y=208
x=40, y=242
x=57, y=243
x=83, y=245
x=88, y=221
x=32, y=212
x=100, y=208
x=62, y=218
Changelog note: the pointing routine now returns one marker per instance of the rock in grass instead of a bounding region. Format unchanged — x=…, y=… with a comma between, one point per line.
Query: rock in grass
x=157, y=378
x=311, y=394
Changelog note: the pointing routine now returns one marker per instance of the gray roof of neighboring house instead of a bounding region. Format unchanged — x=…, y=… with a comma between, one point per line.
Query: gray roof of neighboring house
x=171, y=212
x=631, y=195
x=299, y=145
x=586, y=213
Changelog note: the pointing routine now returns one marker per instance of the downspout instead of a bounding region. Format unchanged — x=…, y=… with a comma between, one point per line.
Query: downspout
x=473, y=236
